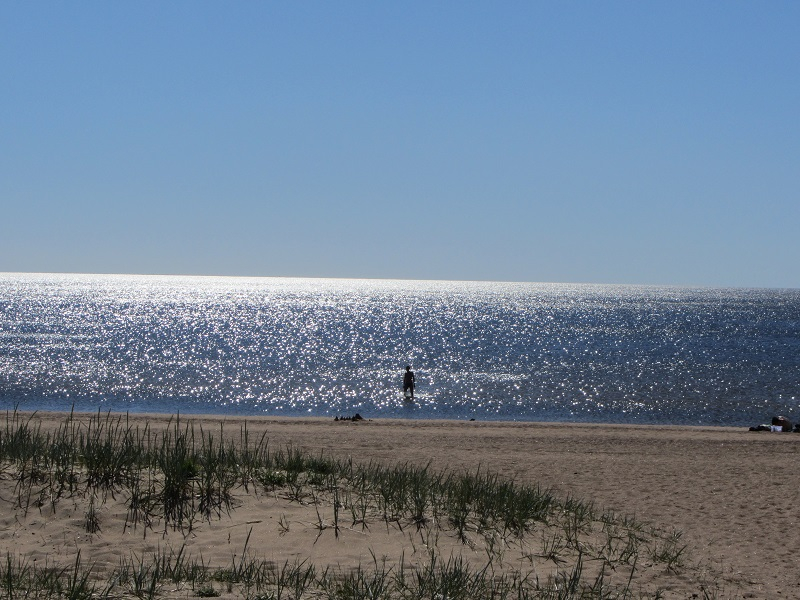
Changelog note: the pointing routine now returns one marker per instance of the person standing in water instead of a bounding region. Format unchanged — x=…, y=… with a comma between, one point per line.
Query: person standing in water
x=408, y=382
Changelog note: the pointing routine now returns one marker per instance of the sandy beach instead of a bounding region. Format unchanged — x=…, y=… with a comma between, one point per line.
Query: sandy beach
x=729, y=492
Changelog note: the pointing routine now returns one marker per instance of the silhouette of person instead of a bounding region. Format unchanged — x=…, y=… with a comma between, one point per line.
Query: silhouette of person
x=408, y=382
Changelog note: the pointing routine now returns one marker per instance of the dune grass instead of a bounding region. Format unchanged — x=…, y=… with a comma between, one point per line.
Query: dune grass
x=181, y=475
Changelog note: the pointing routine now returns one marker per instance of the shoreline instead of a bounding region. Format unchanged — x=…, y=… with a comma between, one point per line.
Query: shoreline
x=728, y=490
x=160, y=416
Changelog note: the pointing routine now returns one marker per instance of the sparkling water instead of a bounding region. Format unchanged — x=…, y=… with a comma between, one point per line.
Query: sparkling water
x=324, y=347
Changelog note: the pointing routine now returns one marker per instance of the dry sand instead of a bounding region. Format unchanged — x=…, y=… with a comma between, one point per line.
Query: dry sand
x=731, y=492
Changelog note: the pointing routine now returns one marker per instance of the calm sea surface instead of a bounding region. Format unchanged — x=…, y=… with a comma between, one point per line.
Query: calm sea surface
x=489, y=351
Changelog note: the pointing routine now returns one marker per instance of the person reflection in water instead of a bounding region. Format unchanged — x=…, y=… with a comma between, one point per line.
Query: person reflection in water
x=408, y=382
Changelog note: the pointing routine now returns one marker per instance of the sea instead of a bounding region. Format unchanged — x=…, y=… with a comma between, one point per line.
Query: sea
x=339, y=347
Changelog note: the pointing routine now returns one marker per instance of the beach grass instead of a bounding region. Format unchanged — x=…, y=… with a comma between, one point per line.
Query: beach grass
x=179, y=476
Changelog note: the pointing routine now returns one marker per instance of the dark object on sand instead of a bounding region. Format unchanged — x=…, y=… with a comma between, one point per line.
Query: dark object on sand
x=778, y=424
x=782, y=422
x=355, y=417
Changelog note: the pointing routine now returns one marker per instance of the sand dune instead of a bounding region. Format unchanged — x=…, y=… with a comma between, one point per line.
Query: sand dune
x=730, y=492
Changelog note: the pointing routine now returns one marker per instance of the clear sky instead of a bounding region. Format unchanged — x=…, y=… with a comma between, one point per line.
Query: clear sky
x=608, y=142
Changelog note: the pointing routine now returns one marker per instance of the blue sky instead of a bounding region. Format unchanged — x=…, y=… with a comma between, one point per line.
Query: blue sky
x=608, y=142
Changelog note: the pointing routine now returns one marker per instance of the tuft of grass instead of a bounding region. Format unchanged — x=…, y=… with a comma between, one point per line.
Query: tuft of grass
x=92, y=519
x=20, y=578
x=207, y=591
x=78, y=585
x=669, y=551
